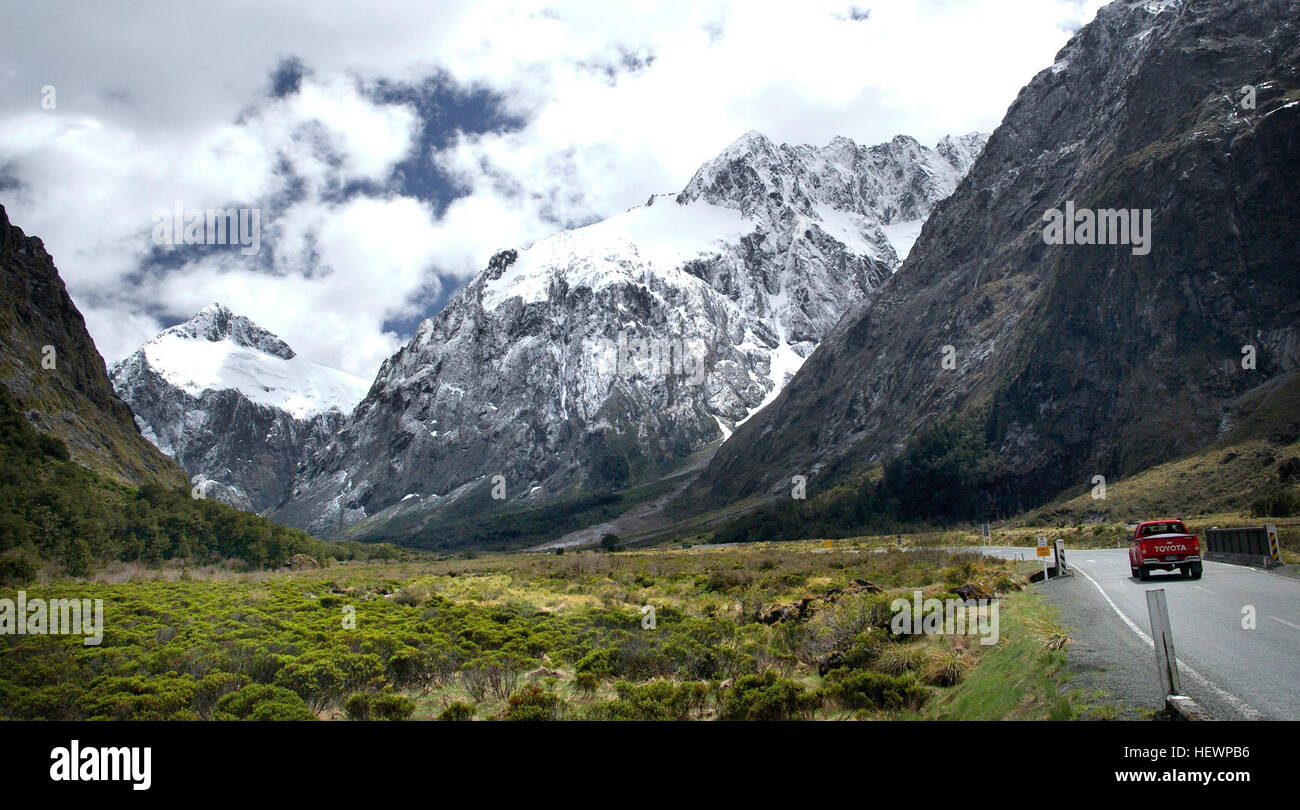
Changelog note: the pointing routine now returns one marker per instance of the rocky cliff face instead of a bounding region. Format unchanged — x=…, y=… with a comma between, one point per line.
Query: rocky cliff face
x=51, y=366
x=1083, y=359
x=601, y=355
x=234, y=405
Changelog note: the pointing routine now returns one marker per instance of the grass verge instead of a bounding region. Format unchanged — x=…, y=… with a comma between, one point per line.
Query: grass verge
x=1021, y=678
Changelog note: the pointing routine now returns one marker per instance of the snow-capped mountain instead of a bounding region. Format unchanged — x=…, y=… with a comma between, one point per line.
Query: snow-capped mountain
x=874, y=198
x=602, y=354
x=232, y=403
x=1189, y=109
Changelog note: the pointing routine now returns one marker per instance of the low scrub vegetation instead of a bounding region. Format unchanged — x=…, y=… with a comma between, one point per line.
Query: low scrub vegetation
x=786, y=632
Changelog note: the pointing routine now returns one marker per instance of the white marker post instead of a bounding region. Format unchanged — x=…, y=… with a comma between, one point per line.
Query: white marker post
x=1163, y=636
x=1044, y=552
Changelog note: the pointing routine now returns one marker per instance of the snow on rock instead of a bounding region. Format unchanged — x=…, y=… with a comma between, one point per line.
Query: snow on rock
x=601, y=354
x=228, y=361
x=234, y=404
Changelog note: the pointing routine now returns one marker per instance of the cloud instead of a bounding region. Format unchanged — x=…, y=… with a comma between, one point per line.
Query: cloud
x=289, y=157
x=393, y=152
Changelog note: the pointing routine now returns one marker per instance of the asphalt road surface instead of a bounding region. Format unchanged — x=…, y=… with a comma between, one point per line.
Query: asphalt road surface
x=1235, y=670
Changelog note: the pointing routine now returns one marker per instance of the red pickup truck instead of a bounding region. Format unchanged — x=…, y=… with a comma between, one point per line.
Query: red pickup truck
x=1163, y=545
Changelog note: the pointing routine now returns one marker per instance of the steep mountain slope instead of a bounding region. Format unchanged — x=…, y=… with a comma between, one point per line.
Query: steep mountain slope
x=232, y=403
x=1074, y=360
x=79, y=486
x=64, y=390
x=601, y=355
x=1254, y=468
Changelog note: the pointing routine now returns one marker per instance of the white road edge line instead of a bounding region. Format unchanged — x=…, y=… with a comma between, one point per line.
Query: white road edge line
x=1207, y=590
x=1237, y=703
x=1287, y=623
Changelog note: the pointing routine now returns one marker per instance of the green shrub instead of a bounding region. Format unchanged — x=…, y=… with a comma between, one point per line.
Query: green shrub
x=863, y=689
x=865, y=648
x=657, y=700
x=357, y=707
x=324, y=675
x=259, y=701
x=1005, y=583
x=17, y=567
x=211, y=688
x=165, y=697
x=602, y=662
x=1279, y=502
x=458, y=711
x=532, y=703
x=413, y=667
x=383, y=706
x=768, y=697
x=496, y=678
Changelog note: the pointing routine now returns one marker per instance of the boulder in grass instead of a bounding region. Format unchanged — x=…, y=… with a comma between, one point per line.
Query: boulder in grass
x=300, y=562
x=974, y=590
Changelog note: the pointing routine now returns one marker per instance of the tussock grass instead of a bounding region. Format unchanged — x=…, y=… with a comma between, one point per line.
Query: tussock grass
x=1019, y=678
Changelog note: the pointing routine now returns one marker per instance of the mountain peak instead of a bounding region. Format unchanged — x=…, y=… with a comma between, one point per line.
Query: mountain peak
x=529, y=372
x=961, y=150
x=232, y=402
x=216, y=322
x=1122, y=118
x=752, y=140
x=892, y=182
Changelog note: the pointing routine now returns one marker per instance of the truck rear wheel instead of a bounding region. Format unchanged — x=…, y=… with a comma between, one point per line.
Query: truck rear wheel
x=1196, y=570
x=1143, y=573
x=1135, y=571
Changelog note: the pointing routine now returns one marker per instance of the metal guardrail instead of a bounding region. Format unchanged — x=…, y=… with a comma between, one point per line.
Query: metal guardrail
x=1249, y=545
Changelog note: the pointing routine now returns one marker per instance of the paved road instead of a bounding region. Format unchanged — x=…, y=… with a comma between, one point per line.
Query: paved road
x=1238, y=673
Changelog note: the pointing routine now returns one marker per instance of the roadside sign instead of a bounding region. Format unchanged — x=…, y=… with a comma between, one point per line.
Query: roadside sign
x=1043, y=549
x=984, y=532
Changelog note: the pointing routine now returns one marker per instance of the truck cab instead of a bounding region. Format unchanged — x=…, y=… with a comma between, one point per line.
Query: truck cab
x=1164, y=545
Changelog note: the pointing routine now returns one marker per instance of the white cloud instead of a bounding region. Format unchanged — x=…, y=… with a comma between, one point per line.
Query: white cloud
x=618, y=102
x=115, y=179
